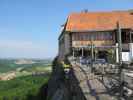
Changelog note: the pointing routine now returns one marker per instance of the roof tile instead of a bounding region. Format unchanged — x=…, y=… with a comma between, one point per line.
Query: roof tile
x=99, y=20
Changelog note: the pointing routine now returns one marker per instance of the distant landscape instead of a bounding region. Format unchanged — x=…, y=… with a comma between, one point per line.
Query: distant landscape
x=22, y=78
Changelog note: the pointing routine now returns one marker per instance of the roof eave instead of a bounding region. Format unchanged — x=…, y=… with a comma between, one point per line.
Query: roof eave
x=97, y=30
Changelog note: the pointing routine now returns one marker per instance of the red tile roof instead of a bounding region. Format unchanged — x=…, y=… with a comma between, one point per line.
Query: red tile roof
x=98, y=21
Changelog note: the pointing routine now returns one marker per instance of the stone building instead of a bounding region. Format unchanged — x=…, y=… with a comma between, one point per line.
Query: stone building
x=85, y=30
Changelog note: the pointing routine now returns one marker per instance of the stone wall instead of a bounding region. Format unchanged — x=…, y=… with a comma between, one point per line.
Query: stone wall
x=64, y=45
x=57, y=88
x=63, y=86
x=67, y=43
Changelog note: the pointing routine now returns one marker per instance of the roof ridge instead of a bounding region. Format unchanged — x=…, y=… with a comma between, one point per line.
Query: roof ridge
x=113, y=11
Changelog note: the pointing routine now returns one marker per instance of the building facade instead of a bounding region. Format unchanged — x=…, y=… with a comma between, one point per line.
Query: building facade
x=98, y=30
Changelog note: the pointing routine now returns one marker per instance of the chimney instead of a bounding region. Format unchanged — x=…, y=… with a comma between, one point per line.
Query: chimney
x=85, y=11
x=131, y=11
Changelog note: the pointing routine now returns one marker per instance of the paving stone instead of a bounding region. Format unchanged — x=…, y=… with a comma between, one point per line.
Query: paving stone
x=92, y=88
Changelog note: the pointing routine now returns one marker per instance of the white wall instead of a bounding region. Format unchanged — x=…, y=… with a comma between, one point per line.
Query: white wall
x=125, y=56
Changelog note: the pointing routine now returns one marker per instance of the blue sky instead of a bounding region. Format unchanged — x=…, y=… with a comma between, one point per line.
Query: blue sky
x=30, y=28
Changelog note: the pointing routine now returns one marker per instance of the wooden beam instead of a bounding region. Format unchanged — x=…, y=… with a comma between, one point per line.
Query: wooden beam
x=119, y=42
x=82, y=52
x=130, y=36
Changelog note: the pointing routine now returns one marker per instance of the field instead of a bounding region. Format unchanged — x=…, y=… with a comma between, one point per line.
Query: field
x=23, y=81
x=10, y=64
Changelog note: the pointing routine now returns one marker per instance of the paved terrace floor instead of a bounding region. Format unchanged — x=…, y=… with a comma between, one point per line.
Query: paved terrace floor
x=91, y=87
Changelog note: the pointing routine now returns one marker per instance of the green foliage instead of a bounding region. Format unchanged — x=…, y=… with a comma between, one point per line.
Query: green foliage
x=22, y=87
x=26, y=86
